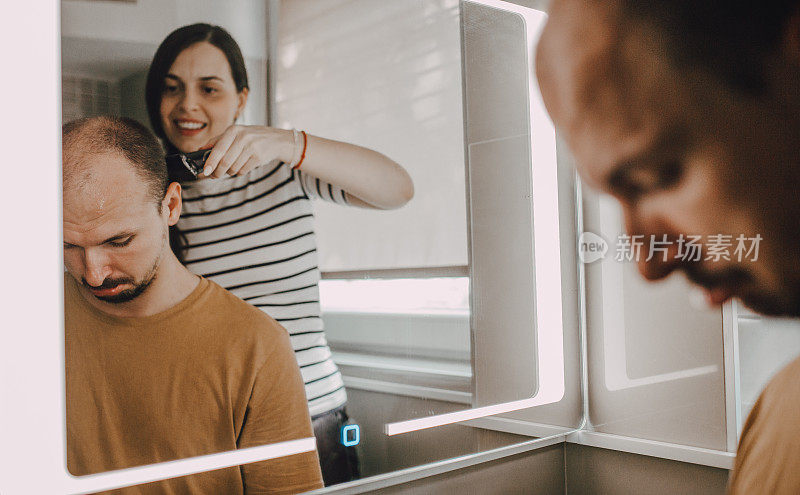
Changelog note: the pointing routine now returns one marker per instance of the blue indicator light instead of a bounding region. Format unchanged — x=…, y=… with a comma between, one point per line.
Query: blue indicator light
x=351, y=435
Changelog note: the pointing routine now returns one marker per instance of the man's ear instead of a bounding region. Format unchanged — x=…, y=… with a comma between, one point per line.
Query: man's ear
x=171, y=204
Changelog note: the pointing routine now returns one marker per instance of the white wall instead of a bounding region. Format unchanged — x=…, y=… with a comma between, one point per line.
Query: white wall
x=149, y=21
x=87, y=96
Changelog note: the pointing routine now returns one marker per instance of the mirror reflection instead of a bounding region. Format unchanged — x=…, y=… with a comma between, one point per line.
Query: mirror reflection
x=310, y=275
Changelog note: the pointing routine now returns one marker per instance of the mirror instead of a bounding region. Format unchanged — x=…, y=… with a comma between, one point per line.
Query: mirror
x=451, y=324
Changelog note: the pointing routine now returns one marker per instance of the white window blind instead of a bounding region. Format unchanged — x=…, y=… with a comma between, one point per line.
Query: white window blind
x=385, y=75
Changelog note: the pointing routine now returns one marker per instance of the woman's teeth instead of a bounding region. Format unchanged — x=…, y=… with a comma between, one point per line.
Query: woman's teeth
x=191, y=125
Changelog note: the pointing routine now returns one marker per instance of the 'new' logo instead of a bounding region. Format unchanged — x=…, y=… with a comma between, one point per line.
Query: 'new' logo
x=591, y=247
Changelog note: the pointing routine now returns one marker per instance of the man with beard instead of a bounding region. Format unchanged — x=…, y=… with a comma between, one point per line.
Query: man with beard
x=687, y=112
x=160, y=363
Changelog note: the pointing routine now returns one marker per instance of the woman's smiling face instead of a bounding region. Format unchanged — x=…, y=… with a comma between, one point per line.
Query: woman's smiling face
x=199, y=101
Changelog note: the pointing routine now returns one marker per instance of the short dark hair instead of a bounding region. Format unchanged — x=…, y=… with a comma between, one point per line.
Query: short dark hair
x=177, y=41
x=126, y=136
x=731, y=39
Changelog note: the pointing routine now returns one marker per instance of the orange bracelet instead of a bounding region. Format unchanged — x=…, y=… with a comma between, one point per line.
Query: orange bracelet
x=303, y=154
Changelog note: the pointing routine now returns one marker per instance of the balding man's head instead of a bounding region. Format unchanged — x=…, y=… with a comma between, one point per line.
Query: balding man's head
x=91, y=137
x=117, y=208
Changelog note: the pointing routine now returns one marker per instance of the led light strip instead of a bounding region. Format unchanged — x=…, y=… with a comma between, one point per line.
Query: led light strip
x=547, y=262
x=183, y=467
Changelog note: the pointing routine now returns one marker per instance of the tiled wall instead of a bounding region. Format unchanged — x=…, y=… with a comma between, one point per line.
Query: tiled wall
x=655, y=361
x=765, y=346
x=84, y=96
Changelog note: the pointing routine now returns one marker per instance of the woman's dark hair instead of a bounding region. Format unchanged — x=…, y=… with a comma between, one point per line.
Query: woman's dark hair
x=177, y=242
x=168, y=51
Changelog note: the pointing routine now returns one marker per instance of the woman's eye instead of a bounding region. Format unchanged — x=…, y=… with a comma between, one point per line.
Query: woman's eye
x=170, y=89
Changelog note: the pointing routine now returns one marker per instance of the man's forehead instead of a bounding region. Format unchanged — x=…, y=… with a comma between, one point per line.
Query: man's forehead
x=101, y=174
x=572, y=67
x=95, y=208
x=602, y=149
x=92, y=200
x=603, y=88
x=102, y=190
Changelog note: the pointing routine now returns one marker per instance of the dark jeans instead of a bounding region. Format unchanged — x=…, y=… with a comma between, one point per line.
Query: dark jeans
x=338, y=463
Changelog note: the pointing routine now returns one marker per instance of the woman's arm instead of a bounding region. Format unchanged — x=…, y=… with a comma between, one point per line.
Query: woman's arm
x=370, y=179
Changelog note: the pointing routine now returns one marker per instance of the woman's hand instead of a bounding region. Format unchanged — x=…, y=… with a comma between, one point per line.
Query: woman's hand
x=241, y=148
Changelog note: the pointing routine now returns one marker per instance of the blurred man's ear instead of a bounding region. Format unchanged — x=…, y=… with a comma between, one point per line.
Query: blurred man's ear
x=791, y=39
x=171, y=204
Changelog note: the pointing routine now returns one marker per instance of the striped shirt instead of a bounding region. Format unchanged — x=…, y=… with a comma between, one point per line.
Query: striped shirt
x=254, y=235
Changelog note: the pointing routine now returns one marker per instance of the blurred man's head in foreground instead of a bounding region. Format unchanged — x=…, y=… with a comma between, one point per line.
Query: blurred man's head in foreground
x=688, y=113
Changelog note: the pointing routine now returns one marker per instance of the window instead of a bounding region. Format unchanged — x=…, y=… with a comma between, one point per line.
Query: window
x=402, y=336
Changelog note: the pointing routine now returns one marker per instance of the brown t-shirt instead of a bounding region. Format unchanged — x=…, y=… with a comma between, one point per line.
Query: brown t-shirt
x=210, y=374
x=768, y=459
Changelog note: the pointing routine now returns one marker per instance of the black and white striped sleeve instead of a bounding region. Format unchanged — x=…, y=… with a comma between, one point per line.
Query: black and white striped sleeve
x=315, y=188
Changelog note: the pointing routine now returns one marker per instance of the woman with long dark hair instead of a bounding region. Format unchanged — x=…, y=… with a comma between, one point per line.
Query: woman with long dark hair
x=247, y=222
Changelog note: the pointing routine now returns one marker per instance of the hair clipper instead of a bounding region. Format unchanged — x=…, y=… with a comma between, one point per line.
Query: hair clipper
x=183, y=167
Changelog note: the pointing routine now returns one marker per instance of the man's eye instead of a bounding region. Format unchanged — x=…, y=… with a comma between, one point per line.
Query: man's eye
x=670, y=174
x=210, y=90
x=645, y=181
x=122, y=243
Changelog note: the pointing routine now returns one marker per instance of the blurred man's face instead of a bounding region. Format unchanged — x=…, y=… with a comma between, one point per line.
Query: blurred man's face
x=114, y=232
x=681, y=151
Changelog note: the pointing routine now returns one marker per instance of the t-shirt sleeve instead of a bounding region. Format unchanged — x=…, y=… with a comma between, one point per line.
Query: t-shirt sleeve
x=278, y=412
x=315, y=188
x=768, y=457
x=737, y=481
